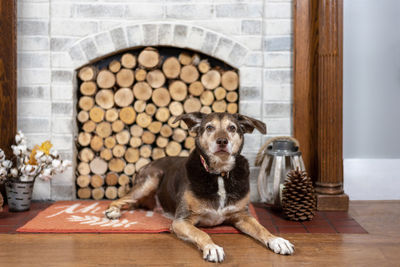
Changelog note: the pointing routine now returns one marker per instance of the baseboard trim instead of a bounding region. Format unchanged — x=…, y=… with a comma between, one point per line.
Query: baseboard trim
x=372, y=179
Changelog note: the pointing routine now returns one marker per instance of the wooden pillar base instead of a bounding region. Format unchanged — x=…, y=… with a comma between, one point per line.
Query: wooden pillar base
x=332, y=202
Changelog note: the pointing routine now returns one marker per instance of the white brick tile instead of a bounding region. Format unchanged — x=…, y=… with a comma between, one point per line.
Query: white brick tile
x=99, y=10
x=278, y=92
x=118, y=37
x=32, y=92
x=184, y=11
x=62, y=9
x=33, y=10
x=278, y=10
x=251, y=27
x=41, y=190
x=135, y=35
x=277, y=110
x=104, y=43
x=195, y=38
x=59, y=92
x=278, y=59
x=279, y=126
x=150, y=32
x=165, y=34
x=61, y=60
x=29, y=77
x=33, y=59
x=144, y=11
x=250, y=108
x=278, y=27
x=33, y=43
x=34, y=108
x=223, y=48
x=62, y=141
x=244, y=10
x=63, y=191
x=250, y=76
x=277, y=76
x=62, y=108
x=225, y=26
x=33, y=125
x=60, y=125
x=73, y=27
x=32, y=27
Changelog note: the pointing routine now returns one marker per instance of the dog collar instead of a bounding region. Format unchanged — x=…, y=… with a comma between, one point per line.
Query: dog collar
x=203, y=161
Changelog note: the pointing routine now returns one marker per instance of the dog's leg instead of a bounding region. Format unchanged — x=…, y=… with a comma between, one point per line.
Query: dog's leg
x=145, y=184
x=249, y=225
x=185, y=230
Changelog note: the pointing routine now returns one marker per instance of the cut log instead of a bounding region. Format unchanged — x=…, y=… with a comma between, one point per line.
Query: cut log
x=110, y=142
x=96, y=114
x=178, y=90
x=232, y=97
x=106, y=154
x=86, y=103
x=87, y=73
x=196, y=88
x=141, y=163
x=88, y=88
x=98, y=166
x=135, y=142
x=184, y=153
x=86, y=155
x=132, y=155
x=128, y=61
x=189, y=142
x=114, y=66
x=211, y=79
x=98, y=193
x=118, y=151
x=155, y=78
x=143, y=120
x=150, y=109
x=166, y=131
x=142, y=91
x=161, y=142
x=207, y=98
x=103, y=129
x=125, y=78
x=123, y=137
x=123, y=97
x=157, y=153
x=123, y=180
x=196, y=59
x=173, y=149
x=148, y=137
x=162, y=114
x=171, y=68
x=123, y=190
x=105, y=99
x=127, y=115
x=155, y=127
x=145, y=151
x=96, y=181
x=205, y=109
x=83, y=168
x=129, y=169
x=84, y=193
x=83, y=180
x=84, y=138
x=111, y=115
x=111, y=178
x=232, y=108
x=89, y=126
x=116, y=165
x=185, y=58
x=136, y=130
x=139, y=106
x=183, y=125
x=117, y=126
x=149, y=58
x=219, y=106
x=96, y=143
x=176, y=108
x=192, y=105
x=204, y=66
x=161, y=97
x=189, y=74
x=82, y=116
x=140, y=75
x=179, y=135
x=219, y=93
x=105, y=79
x=230, y=80
x=111, y=192
x=171, y=122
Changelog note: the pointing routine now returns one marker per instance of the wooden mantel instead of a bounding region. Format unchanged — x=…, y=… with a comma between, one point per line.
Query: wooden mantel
x=317, y=108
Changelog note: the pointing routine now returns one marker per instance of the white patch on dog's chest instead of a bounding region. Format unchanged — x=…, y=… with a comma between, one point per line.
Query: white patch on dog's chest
x=221, y=192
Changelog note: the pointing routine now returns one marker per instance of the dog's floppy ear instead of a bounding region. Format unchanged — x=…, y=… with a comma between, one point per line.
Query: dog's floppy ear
x=248, y=124
x=192, y=120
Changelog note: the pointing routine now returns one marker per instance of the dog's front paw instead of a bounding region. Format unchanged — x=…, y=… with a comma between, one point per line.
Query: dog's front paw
x=213, y=253
x=281, y=246
x=113, y=213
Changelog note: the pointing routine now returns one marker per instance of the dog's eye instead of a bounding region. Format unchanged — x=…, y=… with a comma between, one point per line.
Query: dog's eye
x=231, y=128
x=210, y=128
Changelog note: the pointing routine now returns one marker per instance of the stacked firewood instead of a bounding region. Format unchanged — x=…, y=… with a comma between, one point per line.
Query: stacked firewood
x=127, y=108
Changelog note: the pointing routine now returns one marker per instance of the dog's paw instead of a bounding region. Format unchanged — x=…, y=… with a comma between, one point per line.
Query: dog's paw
x=113, y=213
x=281, y=246
x=213, y=253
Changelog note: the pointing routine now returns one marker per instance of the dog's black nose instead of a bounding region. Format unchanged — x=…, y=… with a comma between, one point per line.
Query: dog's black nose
x=222, y=141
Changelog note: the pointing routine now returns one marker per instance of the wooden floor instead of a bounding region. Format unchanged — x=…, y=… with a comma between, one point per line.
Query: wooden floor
x=381, y=247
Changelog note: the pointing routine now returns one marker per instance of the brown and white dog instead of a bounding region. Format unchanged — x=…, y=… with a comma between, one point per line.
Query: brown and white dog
x=208, y=188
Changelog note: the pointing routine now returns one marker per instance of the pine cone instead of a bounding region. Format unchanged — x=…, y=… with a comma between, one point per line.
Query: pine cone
x=298, y=196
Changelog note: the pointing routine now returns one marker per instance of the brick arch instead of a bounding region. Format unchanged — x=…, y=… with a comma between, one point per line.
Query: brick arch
x=180, y=35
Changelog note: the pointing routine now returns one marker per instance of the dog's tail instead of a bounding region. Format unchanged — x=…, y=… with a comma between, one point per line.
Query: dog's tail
x=263, y=149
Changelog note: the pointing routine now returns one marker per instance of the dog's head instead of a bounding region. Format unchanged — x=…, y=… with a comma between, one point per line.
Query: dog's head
x=220, y=136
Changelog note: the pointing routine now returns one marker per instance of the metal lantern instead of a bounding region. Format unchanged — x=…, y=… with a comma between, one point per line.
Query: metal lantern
x=281, y=155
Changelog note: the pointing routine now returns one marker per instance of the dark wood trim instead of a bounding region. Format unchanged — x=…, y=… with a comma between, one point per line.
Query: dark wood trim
x=318, y=97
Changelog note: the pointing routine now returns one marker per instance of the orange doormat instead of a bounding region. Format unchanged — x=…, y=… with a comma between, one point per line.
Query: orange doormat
x=88, y=217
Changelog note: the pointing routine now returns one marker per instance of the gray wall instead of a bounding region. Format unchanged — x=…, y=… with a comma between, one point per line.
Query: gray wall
x=371, y=118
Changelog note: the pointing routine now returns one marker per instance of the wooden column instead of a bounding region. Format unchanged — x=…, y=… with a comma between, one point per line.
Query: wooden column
x=318, y=96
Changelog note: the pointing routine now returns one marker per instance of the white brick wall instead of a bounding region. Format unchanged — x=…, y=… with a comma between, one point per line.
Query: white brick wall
x=47, y=57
